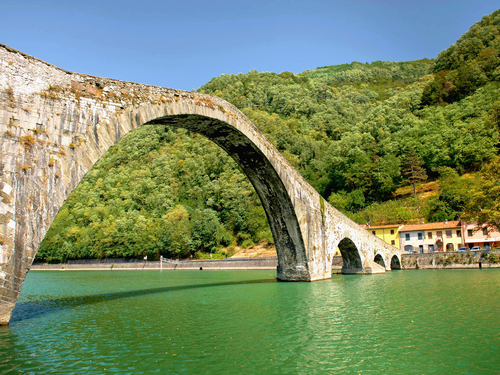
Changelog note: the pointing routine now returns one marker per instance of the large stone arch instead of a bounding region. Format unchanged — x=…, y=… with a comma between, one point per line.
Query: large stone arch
x=55, y=124
x=266, y=181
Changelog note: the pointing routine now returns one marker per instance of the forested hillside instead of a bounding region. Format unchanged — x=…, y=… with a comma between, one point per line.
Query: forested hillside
x=384, y=142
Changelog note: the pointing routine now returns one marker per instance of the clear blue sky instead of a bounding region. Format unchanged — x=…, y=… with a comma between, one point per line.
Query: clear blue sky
x=183, y=44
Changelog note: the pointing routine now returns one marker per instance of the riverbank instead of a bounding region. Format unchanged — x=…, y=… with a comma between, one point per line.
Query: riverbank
x=452, y=260
x=136, y=265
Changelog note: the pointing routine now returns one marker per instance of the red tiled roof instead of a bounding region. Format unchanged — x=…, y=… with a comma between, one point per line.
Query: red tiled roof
x=441, y=225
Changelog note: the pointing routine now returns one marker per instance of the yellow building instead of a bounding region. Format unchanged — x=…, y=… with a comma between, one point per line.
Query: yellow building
x=388, y=233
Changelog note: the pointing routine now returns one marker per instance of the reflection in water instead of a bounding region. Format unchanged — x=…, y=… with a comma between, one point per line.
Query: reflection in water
x=246, y=322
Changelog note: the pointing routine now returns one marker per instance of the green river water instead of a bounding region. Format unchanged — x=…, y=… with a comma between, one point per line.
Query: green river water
x=245, y=322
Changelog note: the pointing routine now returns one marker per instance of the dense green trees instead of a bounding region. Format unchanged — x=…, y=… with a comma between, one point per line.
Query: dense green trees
x=467, y=65
x=352, y=144
x=352, y=130
x=160, y=191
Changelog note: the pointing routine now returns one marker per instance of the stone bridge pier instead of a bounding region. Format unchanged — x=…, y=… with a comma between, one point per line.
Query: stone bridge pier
x=55, y=124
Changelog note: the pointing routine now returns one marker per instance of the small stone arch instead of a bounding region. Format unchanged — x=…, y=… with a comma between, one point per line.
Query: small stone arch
x=395, y=263
x=409, y=248
x=350, y=256
x=379, y=259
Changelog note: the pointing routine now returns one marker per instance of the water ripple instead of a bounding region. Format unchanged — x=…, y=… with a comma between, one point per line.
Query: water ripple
x=222, y=322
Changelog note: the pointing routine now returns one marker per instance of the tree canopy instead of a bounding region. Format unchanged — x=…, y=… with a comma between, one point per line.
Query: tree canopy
x=467, y=65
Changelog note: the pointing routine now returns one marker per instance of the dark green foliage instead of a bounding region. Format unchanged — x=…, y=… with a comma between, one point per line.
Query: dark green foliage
x=464, y=67
x=453, y=196
x=327, y=124
x=412, y=171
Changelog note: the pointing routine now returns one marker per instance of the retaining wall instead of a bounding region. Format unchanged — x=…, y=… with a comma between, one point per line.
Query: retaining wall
x=126, y=264
x=444, y=260
x=456, y=259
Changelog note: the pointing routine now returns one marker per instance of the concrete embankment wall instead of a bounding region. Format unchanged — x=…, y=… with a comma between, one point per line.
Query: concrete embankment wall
x=127, y=264
x=455, y=260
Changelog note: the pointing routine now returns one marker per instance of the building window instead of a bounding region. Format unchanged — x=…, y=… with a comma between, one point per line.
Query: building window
x=373, y=232
x=409, y=248
x=459, y=233
x=448, y=233
x=431, y=248
x=429, y=235
x=421, y=248
x=393, y=242
x=420, y=236
x=485, y=231
x=439, y=234
x=392, y=231
x=469, y=232
x=407, y=236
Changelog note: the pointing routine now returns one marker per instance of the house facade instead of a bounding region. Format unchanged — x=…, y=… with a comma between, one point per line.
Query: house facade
x=387, y=233
x=481, y=236
x=431, y=237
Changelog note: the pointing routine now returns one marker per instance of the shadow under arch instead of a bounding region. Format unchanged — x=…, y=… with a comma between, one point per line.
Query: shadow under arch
x=350, y=256
x=266, y=181
x=379, y=260
x=35, y=309
x=395, y=263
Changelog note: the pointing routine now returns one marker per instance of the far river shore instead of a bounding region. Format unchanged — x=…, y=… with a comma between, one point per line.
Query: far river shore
x=437, y=260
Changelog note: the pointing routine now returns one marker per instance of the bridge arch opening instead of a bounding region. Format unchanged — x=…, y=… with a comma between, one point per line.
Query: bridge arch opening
x=395, y=263
x=266, y=181
x=350, y=256
x=262, y=175
x=379, y=259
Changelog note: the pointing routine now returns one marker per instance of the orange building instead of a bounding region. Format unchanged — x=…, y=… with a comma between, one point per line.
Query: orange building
x=430, y=237
x=480, y=236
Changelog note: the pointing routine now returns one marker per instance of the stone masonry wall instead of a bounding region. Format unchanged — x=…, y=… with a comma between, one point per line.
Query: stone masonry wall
x=452, y=260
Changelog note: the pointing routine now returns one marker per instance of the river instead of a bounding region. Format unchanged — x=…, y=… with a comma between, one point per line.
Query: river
x=245, y=322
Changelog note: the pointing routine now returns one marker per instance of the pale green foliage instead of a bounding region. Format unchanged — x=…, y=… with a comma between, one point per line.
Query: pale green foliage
x=484, y=199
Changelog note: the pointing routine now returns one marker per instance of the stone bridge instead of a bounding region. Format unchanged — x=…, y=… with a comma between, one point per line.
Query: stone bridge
x=55, y=124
